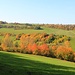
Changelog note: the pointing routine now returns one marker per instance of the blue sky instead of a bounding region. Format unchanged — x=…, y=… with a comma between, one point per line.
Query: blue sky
x=38, y=11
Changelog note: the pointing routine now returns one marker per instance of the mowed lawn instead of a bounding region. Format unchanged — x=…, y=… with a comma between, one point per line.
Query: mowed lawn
x=27, y=64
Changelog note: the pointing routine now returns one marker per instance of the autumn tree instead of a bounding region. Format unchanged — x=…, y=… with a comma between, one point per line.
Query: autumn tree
x=44, y=50
x=18, y=37
x=35, y=49
x=24, y=41
x=53, y=51
x=67, y=43
x=65, y=53
x=7, y=43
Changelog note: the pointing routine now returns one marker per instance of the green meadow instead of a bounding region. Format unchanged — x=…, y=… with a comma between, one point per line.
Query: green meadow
x=27, y=64
x=70, y=33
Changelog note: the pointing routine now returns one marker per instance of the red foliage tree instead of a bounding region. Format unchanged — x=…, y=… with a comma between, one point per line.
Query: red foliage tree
x=34, y=49
x=44, y=50
x=29, y=48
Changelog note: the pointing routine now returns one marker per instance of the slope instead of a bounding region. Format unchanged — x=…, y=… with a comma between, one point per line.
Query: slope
x=27, y=64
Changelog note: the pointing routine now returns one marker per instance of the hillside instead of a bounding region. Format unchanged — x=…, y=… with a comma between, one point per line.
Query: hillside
x=25, y=64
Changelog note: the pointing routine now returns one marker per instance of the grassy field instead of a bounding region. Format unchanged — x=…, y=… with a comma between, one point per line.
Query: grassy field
x=46, y=30
x=11, y=30
x=25, y=64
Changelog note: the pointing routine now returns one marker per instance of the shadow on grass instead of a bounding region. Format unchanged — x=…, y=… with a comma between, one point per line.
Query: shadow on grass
x=13, y=65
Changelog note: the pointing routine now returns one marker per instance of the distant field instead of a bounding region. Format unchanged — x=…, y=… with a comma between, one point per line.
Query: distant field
x=26, y=64
x=70, y=33
x=60, y=32
x=11, y=30
x=46, y=30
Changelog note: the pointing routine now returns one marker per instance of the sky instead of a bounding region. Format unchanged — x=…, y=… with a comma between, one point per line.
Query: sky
x=38, y=11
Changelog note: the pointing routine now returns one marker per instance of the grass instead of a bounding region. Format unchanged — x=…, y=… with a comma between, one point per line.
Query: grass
x=11, y=30
x=25, y=64
x=46, y=30
x=1, y=37
x=69, y=33
x=72, y=42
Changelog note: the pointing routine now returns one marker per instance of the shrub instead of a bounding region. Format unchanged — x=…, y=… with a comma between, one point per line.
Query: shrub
x=18, y=37
x=44, y=50
x=37, y=28
x=29, y=48
x=35, y=49
x=65, y=53
x=53, y=50
x=1, y=49
x=7, y=42
x=3, y=46
x=74, y=57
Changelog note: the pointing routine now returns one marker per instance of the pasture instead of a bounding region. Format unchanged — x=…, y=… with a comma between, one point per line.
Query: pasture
x=70, y=33
x=27, y=64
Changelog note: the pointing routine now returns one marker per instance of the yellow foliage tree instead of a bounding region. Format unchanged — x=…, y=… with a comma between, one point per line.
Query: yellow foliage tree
x=7, y=42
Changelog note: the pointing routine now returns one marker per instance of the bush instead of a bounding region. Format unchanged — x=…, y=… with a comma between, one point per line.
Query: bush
x=35, y=49
x=53, y=50
x=74, y=57
x=1, y=49
x=65, y=53
x=44, y=50
x=37, y=28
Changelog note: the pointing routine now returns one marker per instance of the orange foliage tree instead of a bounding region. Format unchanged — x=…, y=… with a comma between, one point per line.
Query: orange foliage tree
x=34, y=49
x=44, y=50
x=67, y=43
x=53, y=51
x=65, y=53
x=7, y=43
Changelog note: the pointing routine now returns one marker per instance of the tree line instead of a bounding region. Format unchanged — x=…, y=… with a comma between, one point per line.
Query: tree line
x=18, y=26
x=50, y=45
x=61, y=26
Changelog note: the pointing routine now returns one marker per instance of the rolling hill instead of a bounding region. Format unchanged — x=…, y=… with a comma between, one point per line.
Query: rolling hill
x=26, y=64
